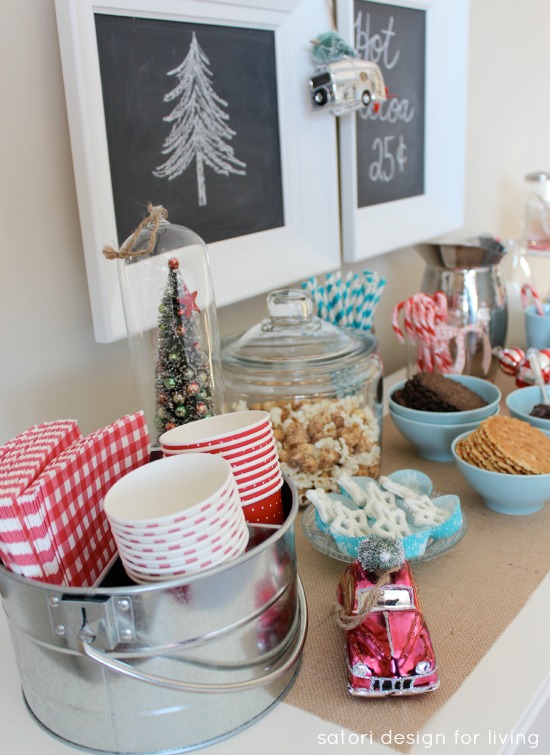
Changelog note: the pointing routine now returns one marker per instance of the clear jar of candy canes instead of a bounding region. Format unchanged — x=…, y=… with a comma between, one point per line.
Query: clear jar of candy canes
x=469, y=274
x=437, y=340
x=537, y=210
x=321, y=384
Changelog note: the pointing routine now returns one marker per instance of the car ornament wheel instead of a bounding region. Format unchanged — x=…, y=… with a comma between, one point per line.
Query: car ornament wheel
x=320, y=97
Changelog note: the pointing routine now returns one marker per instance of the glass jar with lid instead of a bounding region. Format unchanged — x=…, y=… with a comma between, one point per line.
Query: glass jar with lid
x=321, y=384
x=537, y=210
x=171, y=321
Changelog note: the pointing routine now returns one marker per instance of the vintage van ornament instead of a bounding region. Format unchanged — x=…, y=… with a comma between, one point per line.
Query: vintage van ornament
x=347, y=84
x=342, y=81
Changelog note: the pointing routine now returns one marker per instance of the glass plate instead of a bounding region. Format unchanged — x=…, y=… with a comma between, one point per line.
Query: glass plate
x=324, y=542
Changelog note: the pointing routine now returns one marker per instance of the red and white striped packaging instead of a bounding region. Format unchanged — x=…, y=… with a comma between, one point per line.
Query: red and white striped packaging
x=57, y=435
x=68, y=497
x=23, y=459
x=527, y=289
x=52, y=484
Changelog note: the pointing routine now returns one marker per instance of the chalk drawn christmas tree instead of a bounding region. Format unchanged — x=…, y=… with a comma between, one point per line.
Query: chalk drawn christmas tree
x=200, y=129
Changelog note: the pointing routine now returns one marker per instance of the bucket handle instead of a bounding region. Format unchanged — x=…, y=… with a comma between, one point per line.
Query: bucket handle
x=159, y=681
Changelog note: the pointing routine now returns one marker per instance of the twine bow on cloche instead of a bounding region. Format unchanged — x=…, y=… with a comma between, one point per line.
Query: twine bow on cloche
x=157, y=213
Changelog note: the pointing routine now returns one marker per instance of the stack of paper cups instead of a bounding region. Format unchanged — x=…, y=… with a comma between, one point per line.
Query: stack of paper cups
x=245, y=439
x=176, y=516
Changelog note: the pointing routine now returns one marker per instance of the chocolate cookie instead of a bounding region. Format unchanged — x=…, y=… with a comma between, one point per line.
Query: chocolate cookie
x=542, y=411
x=430, y=392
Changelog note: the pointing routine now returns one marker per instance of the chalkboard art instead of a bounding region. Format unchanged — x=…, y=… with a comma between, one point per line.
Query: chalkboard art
x=192, y=123
x=391, y=138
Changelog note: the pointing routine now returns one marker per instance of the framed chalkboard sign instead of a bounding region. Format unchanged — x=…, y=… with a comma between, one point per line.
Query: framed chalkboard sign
x=243, y=169
x=402, y=163
x=206, y=162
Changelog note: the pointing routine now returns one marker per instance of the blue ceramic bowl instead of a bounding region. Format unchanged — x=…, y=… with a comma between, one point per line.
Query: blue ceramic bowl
x=521, y=402
x=483, y=388
x=505, y=493
x=432, y=442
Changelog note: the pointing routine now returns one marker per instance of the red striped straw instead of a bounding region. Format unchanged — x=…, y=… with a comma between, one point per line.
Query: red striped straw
x=525, y=290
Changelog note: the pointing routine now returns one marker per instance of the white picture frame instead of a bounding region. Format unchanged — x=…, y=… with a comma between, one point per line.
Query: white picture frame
x=309, y=241
x=379, y=228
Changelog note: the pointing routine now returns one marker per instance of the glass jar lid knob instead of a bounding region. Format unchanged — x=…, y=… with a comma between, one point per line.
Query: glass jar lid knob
x=291, y=304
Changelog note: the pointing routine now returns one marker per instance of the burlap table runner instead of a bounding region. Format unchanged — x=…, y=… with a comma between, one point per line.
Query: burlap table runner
x=468, y=595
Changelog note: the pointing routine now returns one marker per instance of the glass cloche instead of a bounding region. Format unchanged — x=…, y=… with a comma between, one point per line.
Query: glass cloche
x=172, y=326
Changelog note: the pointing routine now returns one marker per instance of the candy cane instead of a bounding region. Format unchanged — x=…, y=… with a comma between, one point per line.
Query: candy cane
x=441, y=306
x=395, y=321
x=461, y=347
x=416, y=331
x=408, y=320
x=425, y=315
x=528, y=288
x=433, y=316
x=424, y=355
x=422, y=315
x=442, y=353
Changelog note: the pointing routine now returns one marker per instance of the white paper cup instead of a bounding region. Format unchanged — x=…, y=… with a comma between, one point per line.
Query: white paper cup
x=256, y=445
x=159, y=575
x=221, y=428
x=159, y=493
x=174, y=559
x=258, y=495
x=260, y=483
x=227, y=447
x=189, y=534
x=268, y=509
x=184, y=539
x=185, y=526
x=259, y=460
x=181, y=522
x=263, y=472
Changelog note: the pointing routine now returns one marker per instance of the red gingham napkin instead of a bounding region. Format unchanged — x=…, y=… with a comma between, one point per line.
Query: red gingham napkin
x=68, y=498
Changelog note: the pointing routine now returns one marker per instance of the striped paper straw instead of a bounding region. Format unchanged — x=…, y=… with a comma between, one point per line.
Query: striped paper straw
x=526, y=289
x=347, y=301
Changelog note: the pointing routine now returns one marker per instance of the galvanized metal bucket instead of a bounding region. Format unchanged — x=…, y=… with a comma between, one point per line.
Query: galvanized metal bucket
x=162, y=668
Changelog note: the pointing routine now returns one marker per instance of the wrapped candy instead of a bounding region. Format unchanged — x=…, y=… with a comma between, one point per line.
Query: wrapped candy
x=515, y=362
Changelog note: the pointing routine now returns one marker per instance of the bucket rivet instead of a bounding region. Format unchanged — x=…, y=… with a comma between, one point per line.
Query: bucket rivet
x=124, y=604
x=127, y=634
x=53, y=601
x=60, y=629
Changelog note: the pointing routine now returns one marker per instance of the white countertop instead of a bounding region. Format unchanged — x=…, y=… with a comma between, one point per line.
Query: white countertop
x=499, y=709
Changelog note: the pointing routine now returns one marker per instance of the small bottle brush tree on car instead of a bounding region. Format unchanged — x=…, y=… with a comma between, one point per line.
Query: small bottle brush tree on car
x=183, y=381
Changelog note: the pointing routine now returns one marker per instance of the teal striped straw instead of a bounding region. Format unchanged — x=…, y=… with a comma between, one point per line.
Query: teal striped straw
x=349, y=302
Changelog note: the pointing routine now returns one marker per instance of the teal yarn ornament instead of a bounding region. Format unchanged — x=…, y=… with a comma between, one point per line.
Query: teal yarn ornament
x=329, y=47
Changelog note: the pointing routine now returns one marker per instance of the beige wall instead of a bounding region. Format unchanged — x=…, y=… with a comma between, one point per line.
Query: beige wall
x=51, y=366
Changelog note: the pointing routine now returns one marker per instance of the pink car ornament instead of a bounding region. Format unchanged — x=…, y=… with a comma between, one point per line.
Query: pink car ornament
x=388, y=646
